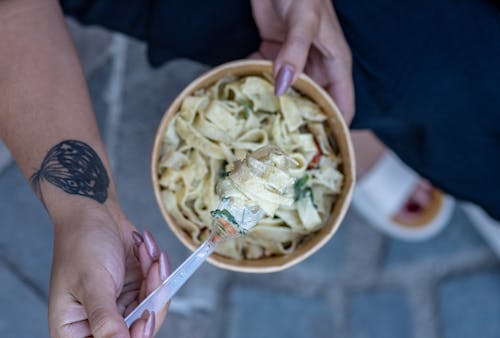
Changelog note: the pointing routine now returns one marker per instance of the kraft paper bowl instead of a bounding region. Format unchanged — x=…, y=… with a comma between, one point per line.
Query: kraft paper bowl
x=339, y=132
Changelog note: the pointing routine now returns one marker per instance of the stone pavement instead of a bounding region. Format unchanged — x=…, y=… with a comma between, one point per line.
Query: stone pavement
x=361, y=284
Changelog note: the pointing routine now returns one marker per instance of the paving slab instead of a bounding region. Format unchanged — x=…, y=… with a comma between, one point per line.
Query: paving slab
x=23, y=313
x=380, y=313
x=192, y=325
x=256, y=312
x=470, y=305
x=98, y=84
x=458, y=236
x=364, y=250
x=5, y=157
x=27, y=231
x=92, y=44
x=330, y=259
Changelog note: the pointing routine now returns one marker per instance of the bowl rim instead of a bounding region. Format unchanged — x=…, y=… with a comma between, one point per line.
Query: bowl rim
x=348, y=168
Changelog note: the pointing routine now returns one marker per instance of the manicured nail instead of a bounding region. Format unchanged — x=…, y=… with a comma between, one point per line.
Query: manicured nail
x=283, y=79
x=137, y=237
x=151, y=246
x=149, y=327
x=163, y=261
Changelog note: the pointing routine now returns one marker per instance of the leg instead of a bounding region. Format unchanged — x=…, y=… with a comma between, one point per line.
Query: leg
x=367, y=150
x=426, y=84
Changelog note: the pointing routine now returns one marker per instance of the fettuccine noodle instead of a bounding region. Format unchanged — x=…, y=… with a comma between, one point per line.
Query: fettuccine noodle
x=219, y=125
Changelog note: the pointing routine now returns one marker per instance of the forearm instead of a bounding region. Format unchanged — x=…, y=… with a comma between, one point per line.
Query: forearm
x=44, y=100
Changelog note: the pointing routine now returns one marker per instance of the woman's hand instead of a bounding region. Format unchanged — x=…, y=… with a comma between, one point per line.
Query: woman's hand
x=306, y=36
x=101, y=270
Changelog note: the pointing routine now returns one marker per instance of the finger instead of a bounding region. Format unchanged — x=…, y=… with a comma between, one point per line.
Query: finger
x=153, y=279
x=159, y=272
x=255, y=56
x=337, y=59
x=146, y=250
x=125, y=299
x=76, y=330
x=143, y=292
x=269, y=49
x=333, y=75
x=133, y=285
x=151, y=245
x=315, y=68
x=341, y=86
x=130, y=308
x=302, y=23
x=99, y=301
x=64, y=310
x=145, y=260
x=329, y=33
x=141, y=253
x=144, y=327
x=164, y=266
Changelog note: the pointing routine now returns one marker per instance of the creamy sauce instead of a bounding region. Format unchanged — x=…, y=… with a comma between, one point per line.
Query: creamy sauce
x=258, y=185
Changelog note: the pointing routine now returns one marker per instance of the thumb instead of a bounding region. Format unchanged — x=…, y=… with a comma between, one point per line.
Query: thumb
x=99, y=301
x=302, y=27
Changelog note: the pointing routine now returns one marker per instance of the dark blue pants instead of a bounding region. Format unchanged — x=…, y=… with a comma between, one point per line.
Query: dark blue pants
x=426, y=73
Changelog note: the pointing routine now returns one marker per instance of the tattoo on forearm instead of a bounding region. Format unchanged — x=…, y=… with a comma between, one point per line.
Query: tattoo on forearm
x=74, y=167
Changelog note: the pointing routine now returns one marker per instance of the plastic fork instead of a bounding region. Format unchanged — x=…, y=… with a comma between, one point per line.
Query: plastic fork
x=229, y=222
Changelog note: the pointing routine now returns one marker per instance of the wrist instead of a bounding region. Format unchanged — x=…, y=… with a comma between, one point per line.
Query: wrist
x=70, y=212
x=73, y=183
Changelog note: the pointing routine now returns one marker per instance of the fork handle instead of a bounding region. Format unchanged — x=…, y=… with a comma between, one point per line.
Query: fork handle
x=162, y=294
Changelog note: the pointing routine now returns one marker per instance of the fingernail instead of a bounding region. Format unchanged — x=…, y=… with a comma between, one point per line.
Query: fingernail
x=151, y=246
x=149, y=327
x=163, y=265
x=283, y=79
x=137, y=237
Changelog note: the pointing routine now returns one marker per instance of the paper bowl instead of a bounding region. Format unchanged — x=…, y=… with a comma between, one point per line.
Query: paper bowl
x=341, y=136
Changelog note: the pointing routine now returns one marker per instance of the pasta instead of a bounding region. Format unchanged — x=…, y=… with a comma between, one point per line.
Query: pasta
x=257, y=186
x=218, y=126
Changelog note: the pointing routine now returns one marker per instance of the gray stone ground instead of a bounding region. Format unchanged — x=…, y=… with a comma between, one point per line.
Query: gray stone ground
x=361, y=284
